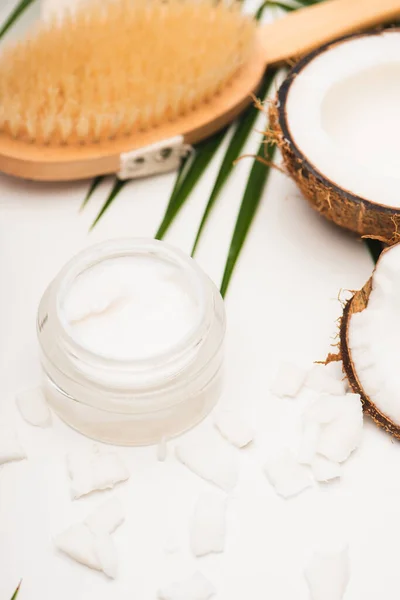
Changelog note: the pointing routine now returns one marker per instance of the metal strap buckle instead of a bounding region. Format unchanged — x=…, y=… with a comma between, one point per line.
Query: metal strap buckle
x=157, y=158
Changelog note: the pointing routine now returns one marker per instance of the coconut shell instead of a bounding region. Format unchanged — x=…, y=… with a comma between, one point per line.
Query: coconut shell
x=347, y=210
x=357, y=304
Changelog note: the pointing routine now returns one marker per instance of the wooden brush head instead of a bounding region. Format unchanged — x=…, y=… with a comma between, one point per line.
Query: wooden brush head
x=77, y=97
x=115, y=69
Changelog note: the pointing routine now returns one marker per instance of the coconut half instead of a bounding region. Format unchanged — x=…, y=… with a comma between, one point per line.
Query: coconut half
x=369, y=342
x=336, y=122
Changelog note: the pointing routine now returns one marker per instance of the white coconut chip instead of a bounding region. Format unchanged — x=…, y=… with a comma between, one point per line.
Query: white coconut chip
x=78, y=543
x=107, y=555
x=335, y=370
x=325, y=470
x=90, y=542
x=208, y=530
x=195, y=588
x=10, y=448
x=233, y=428
x=340, y=421
x=33, y=407
x=94, y=471
x=309, y=442
x=288, y=477
x=289, y=380
x=320, y=379
x=340, y=437
x=328, y=575
x=214, y=462
x=107, y=518
x=94, y=551
x=326, y=409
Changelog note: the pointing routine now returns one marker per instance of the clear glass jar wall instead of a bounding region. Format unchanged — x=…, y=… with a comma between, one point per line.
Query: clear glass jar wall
x=110, y=383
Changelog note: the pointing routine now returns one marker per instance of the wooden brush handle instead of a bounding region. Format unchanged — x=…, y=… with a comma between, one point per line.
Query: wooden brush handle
x=306, y=29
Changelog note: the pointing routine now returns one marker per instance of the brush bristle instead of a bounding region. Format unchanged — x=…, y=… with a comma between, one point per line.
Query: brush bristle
x=117, y=68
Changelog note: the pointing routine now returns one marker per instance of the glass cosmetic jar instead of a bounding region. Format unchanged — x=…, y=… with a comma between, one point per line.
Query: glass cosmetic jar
x=131, y=336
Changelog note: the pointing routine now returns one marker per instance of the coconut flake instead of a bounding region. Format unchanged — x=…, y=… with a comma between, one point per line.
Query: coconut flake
x=309, y=442
x=195, y=588
x=208, y=526
x=335, y=370
x=289, y=380
x=320, y=379
x=288, y=477
x=90, y=542
x=234, y=428
x=324, y=469
x=94, y=471
x=107, y=517
x=339, y=438
x=33, y=407
x=326, y=409
x=328, y=575
x=78, y=543
x=106, y=553
x=10, y=448
x=214, y=462
x=162, y=450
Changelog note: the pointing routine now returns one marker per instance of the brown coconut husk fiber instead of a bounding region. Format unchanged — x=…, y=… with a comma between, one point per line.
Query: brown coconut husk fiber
x=366, y=218
x=357, y=304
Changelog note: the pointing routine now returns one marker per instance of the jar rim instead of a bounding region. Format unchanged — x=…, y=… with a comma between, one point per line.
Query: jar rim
x=176, y=354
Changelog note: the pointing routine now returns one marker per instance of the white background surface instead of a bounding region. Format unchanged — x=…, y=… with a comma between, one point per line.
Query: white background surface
x=282, y=304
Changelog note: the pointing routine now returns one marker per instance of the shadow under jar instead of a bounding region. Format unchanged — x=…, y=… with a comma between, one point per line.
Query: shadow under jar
x=131, y=336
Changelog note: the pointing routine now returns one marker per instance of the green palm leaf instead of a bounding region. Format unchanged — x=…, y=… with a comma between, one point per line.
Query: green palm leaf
x=309, y=2
x=281, y=5
x=273, y=4
x=14, y=16
x=117, y=187
x=183, y=169
x=192, y=168
x=95, y=184
x=240, y=135
x=186, y=181
x=238, y=140
x=16, y=591
x=186, y=162
x=251, y=199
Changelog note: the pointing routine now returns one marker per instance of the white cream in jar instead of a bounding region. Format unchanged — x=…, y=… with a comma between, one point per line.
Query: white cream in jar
x=131, y=307
x=131, y=335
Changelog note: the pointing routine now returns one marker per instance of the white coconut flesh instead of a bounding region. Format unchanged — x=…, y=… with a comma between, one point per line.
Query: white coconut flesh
x=373, y=338
x=342, y=112
x=210, y=459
